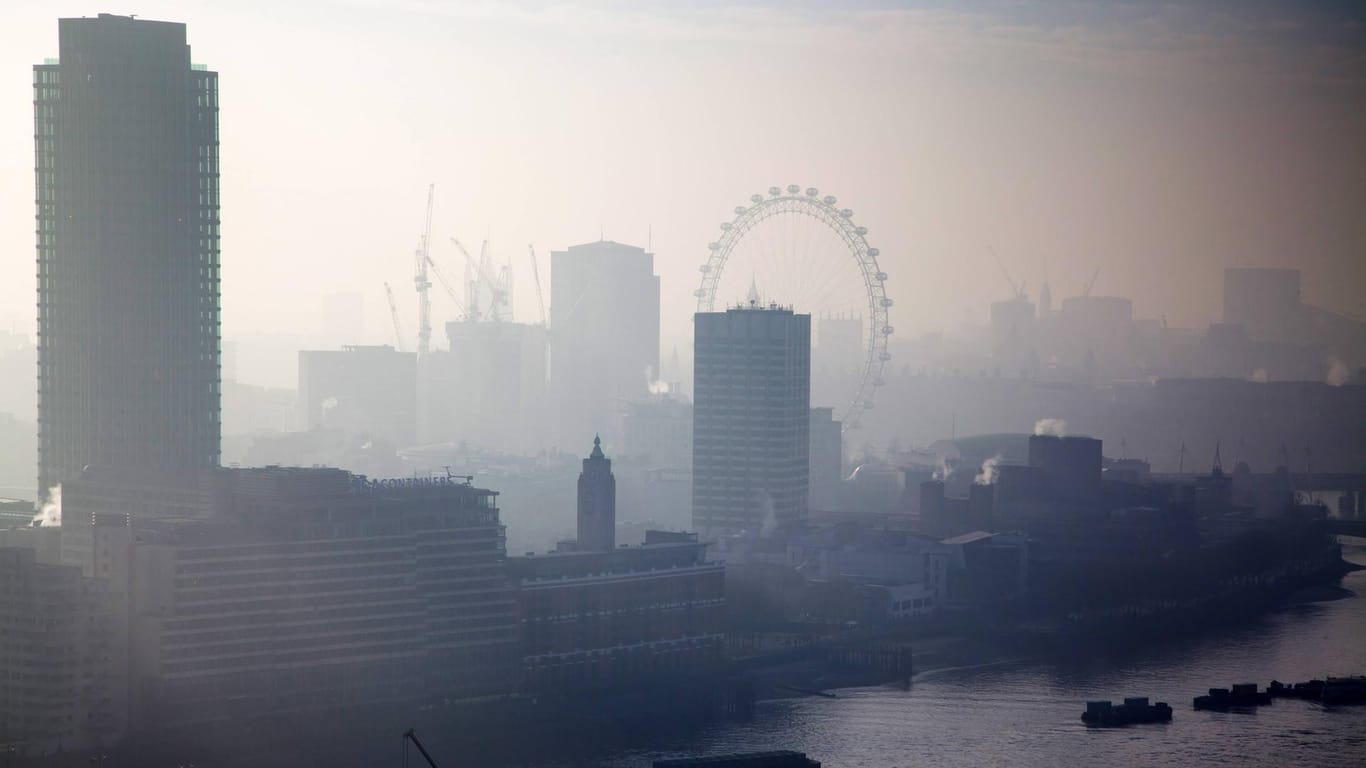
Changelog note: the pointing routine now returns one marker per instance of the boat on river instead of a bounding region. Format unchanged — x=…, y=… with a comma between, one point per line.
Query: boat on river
x=1135, y=709
x=1241, y=696
x=1332, y=691
x=1344, y=690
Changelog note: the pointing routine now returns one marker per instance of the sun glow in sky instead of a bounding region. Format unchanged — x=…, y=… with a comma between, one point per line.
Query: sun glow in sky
x=1157, y=143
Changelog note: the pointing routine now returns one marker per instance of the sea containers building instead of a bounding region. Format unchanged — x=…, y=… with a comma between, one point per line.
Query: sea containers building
x=751, y=419
x=126, y=155
x=312, y=591
x=60, y=673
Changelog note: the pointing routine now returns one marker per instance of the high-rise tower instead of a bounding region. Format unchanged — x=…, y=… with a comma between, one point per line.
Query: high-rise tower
x=126, y=140
x=751, y=419
x=597, y=502
x=604, y=347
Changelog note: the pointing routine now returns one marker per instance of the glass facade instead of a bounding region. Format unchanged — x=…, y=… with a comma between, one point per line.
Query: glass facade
x=127, y=228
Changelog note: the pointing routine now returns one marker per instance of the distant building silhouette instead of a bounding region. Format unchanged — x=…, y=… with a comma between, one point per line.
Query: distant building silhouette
x=126, y=142
x=751, y=419
x=604, y=309
x=827, y=459
x=488, y=389
x=597, y=502
x=1264, y=301
x=361, y=390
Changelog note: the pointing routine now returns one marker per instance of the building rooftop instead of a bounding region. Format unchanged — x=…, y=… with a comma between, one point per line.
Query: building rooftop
x=968, y=538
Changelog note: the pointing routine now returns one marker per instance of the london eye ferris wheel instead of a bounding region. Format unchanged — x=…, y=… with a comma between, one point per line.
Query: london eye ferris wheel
x=797, y=248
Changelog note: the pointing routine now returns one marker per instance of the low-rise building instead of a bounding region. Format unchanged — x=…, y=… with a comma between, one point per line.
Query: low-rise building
x=61, y=677
x=595, y=617
x=300, y=592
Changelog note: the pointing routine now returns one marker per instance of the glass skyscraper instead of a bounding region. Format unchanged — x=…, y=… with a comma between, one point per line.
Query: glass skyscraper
x=126, y=157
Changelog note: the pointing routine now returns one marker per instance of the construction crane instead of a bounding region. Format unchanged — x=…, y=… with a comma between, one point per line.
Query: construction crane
x=421, y=283
x=499, y=290
x=408, y=736
x=536, y=275
x=1086, y=290
x=393, y=310
x=1017, y=289
x=450, y=291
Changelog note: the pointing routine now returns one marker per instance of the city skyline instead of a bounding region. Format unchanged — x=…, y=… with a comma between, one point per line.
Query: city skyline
x=1108, y=162
x=1038, y=381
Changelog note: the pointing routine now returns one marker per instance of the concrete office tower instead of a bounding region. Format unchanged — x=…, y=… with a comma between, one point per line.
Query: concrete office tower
x=751, y=419
x=488, y=390
x=827, y=460
x=597, y=502
x=604, y=309
x=126, y=140
x=360, y=391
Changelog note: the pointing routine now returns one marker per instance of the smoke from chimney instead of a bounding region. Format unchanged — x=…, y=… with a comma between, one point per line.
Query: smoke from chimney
x=1054, y=427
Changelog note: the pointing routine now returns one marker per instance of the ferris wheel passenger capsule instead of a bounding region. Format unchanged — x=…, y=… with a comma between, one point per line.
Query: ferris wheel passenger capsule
x=713, y=246
x=846, y=213
x=887, y=302
x=704, y=269
x=725, y=225
x=739, y=209
x=793, y=189
x=884, y=357
x=861, y=230
x=756, y=198
x=829, y=200
x=881, y=277
x=887, y=330
x=812, y=191
x=775, y=191
x=873, y=252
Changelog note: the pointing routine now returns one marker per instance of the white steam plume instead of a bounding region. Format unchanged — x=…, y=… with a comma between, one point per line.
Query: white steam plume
x=50, y=515
x=770, y=523
x=1054, y=427
x=1337, y=372
x=655, y=386
x=988, y=474
x=944, y=471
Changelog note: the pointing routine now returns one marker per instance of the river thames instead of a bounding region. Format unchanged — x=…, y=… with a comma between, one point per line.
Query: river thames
x=1026, y=712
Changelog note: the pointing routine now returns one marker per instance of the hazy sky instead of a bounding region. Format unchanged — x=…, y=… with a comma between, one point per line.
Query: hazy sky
x=1156, y=141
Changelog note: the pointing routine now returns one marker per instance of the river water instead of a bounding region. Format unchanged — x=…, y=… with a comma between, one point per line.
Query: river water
x=1026, y=713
